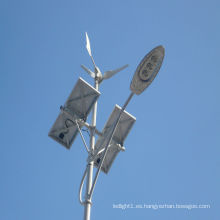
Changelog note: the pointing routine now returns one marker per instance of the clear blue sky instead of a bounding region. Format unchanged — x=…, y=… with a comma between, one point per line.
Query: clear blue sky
x=172, y=152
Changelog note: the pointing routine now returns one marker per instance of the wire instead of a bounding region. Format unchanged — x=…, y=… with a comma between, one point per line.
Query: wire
x=73, y=123
x=69, y=121
x=87, y=131
x=84, y=142
x=81, y=186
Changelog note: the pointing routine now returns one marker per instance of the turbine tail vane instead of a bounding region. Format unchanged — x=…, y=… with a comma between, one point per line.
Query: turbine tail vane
x=88, y=47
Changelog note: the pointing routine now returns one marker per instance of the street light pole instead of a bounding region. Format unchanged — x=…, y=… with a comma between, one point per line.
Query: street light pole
x=82, y=99
x=90, y=165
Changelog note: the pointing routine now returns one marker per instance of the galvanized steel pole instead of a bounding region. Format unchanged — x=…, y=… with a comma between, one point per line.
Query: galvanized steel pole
x=88, y=202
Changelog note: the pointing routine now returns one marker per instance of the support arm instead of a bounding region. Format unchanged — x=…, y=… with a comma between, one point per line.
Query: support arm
x=108, y=143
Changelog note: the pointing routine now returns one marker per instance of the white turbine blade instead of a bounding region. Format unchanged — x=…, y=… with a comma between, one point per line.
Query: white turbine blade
x=88, y=45
x=88, y=71
x=110, y=73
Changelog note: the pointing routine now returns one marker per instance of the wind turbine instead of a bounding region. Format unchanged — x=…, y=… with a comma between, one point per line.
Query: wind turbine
x=97, y=73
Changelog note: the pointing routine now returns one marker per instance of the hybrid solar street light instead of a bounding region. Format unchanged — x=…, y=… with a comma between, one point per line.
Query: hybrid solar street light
x=82, y=99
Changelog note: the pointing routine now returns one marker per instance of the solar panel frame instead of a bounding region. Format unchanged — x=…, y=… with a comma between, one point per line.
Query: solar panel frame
x=124, y=126
x=77, y=106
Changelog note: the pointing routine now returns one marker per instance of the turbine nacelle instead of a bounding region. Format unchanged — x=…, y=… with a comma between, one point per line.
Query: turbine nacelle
x=97, y=73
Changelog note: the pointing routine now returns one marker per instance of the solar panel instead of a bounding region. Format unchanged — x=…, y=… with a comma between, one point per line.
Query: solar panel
x=124, y=126
x=77, y=106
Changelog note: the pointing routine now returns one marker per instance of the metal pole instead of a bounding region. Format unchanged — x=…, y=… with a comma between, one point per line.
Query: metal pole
x=88, y=202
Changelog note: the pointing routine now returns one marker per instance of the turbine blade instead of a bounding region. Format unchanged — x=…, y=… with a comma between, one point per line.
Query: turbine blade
x=88, y=71
x=110, y=73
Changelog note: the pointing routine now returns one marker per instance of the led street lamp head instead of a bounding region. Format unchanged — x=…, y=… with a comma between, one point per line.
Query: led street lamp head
x=147, y=70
